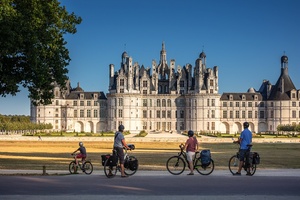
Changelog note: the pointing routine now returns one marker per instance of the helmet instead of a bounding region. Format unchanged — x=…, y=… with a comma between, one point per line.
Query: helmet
x=80, y=144
x=190, y=133
x=121, y=128
x=246, y=124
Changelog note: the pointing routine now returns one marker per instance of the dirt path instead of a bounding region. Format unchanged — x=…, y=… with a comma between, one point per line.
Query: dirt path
x=160, y=137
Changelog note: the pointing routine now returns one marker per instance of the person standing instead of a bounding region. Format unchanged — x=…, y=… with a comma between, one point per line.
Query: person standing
x=244, y=140
x=119, y=144
x=191, y=146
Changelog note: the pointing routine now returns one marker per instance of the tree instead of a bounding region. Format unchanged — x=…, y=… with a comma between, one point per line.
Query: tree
x=33, y=51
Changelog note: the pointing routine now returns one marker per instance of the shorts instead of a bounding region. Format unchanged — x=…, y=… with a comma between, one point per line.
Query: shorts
x=120, y=153
x=80, y=155
x=190, y=155
x=243, y=153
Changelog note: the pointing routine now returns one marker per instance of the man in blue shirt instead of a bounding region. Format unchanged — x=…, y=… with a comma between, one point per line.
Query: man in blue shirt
x=244, y=140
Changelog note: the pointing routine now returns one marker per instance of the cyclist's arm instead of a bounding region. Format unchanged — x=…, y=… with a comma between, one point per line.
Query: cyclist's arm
x=76, y=150
x=238, y=141
x=124, y=144
x=185, y=146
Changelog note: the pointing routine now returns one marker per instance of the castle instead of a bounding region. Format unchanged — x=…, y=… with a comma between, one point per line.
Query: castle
x=167, y=98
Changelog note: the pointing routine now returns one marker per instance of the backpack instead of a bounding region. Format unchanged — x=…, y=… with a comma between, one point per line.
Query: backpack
x=205, y=157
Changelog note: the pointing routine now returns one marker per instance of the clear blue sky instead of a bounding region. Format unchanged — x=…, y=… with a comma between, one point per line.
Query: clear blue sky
x=245, y=39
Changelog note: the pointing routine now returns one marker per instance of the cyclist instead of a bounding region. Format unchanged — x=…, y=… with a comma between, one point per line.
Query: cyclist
x=119, y=143
x=191, y=146
x=82, y=153
x=244, y=140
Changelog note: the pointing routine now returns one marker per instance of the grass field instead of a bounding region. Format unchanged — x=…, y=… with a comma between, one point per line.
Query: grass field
x=152, y=156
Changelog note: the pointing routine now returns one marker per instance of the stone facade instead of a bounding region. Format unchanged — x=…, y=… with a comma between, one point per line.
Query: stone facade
x=73, y=110
x=171, y=99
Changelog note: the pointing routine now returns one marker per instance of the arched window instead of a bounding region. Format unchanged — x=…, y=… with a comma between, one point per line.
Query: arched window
x=158, y=103
x=163, y=103
x=169, y=103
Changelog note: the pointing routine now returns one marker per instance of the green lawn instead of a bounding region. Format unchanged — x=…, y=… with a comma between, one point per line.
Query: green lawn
x=56, y=155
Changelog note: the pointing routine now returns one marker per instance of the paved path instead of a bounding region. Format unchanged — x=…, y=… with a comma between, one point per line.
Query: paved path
x=158, y=185
x=259, y=172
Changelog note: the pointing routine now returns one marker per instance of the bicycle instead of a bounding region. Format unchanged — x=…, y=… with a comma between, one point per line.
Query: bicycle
x=252, y=159
x=111, y=164
x=85, y=166
x=176, y=164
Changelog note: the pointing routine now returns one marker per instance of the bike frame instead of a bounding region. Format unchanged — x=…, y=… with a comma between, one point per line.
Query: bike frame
x=183, y=155
x=81, y=164
x=113, y=169
x=176, y=164
x=247, y=166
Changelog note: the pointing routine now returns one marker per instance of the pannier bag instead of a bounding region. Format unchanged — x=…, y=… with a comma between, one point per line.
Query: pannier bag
x=131, y=164
x=249, y=158
x=104, y=158
x=112, y=159
x=256, y=158
x=205, y=157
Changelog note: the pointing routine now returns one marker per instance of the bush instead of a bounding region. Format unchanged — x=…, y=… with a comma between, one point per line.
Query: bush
x=143, y=133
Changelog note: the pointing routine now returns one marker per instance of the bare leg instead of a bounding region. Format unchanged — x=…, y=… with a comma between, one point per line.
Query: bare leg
x=240, y=166
x=122, y=170
x=191, y=166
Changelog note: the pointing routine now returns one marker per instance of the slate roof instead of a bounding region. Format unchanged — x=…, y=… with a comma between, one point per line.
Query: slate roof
x=239, y=96
x=87, y=95
x=283, y=87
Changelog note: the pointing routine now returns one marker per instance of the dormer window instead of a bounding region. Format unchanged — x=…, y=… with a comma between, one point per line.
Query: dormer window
x=121, y=82
x=145, y=84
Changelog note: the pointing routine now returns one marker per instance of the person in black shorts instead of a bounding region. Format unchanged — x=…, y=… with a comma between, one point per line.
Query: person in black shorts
x=119, y=143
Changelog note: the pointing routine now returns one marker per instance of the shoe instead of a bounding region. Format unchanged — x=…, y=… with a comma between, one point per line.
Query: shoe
x=237, y=174
x=249, y=174
x=191, y=173
x=124, y=176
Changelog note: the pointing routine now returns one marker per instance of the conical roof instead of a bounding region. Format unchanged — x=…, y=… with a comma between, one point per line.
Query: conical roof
x=281, y=90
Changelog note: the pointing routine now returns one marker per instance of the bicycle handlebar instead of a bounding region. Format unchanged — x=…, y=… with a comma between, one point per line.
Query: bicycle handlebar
x=131, y=147
x=181, y=146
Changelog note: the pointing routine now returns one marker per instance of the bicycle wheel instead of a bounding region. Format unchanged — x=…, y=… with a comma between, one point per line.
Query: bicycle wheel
x=175, y=165
x=109, y=171
x=87, y=167
x=252, y=169
x=132, y=166
x=233, y=164
x=72, y=167
x=204, y=169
